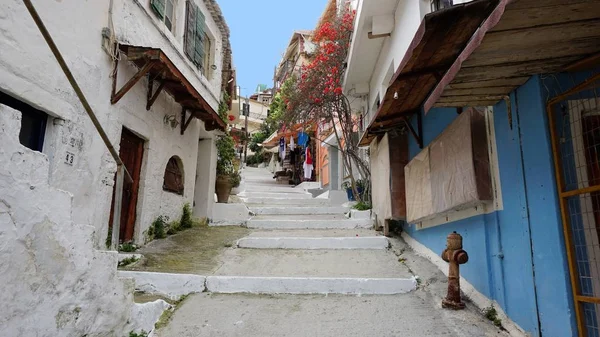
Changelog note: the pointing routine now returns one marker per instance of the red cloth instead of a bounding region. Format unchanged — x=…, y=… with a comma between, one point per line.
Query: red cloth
x=309, y=160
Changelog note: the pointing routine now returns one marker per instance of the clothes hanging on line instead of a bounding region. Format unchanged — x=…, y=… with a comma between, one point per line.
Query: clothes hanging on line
x=292, y=145
x=303, y=139
x=308, y=164
x=281, y=148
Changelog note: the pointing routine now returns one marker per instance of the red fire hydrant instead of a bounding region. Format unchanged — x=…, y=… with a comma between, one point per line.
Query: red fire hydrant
x=455, y=256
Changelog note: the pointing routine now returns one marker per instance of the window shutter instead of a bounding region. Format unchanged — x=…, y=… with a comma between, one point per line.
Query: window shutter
x=158, y=6
x=199, y=47
x=190, y=30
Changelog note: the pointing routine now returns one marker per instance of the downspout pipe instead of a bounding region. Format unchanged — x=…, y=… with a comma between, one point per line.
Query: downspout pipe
x=75, y=86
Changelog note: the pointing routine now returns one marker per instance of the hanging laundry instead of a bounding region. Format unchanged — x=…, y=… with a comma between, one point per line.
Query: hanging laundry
x=281, y=148
x=308, y=165
x=292, y=145
x=302, y=139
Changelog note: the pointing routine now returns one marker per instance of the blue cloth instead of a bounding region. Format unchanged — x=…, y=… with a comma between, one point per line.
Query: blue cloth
x=302, y=139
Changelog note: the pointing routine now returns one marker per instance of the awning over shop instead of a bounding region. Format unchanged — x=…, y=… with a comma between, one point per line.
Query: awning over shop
x=440, y=38
x=519, y=39
x=273, y=140
x=161, y=70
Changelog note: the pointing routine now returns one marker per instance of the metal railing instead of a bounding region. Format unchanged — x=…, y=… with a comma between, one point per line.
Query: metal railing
x=121, y=169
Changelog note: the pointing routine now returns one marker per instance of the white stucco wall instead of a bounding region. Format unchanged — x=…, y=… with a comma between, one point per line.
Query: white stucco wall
x=381, y=194
x=29, y=72
x=53, y=282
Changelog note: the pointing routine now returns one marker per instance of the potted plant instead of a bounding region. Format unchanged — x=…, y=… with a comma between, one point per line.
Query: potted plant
x=348, y=187
x=226, y=172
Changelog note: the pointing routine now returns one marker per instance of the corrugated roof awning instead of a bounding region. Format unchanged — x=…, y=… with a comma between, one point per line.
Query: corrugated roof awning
x=519, y=39
x=440, y=38
x=160, y=69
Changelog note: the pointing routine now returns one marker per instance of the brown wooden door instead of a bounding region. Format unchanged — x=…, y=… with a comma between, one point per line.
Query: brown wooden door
x=131, y=152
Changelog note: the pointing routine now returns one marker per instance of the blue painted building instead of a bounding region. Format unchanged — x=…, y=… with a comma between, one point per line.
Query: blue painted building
x=517, y=254
x=534, y=66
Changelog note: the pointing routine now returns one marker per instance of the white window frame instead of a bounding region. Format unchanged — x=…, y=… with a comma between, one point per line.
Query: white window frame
x=487, y=207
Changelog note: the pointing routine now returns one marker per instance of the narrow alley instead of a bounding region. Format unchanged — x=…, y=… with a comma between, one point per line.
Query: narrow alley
x=328, y=168
x=305, y=269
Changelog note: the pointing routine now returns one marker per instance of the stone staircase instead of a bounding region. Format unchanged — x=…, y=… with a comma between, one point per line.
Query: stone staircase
x=304, y=245
x=297, y=244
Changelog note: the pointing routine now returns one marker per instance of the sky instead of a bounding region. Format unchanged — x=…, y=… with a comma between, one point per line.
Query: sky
x=260, y=33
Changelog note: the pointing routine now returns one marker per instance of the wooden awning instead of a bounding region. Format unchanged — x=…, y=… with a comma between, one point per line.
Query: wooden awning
x=155, y=64
x=519, y=39
x=440, y=38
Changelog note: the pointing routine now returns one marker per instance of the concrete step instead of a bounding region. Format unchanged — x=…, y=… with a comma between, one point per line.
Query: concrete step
x=176, y=285
x=276, y=195
x=306, y=210
x=315, y=221
x=287, y=202
x=309, y=285
x=380, y=263
x=310, y=243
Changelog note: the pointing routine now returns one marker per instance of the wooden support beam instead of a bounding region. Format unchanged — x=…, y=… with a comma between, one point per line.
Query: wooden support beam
x=152, y=97
x=115, y=97
x=418, y=136
x=185, y=123
x=585, y=63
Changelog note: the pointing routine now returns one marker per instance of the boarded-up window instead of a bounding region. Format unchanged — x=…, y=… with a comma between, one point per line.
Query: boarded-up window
x=197, y=45
x=173, y=179
x=453, y=172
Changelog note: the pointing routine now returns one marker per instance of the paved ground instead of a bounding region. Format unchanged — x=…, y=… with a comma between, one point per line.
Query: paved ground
x=193, y=251
x=309, y=316
x=414, y=314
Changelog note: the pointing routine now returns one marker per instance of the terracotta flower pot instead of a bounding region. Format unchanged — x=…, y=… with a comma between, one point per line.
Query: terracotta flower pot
x=223, y=189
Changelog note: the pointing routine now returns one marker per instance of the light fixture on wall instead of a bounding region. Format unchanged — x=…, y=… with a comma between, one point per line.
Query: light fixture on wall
x=172, y=120
x=213, y=67
x=396, y=95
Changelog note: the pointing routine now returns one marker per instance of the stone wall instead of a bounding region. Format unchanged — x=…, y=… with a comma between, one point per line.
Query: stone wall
x=41, y=84
x=53, y=281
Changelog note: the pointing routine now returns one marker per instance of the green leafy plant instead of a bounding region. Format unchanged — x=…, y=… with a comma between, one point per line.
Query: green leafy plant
x=108, y=241
x=346, y=185
x=174, y=227
x=128, y=247
x=186, y=217
x=157, y=229
x=492, y=315
x=224, y=106
x=226, y=155
x=362, y=206
x=140, y=334
x=235, y=178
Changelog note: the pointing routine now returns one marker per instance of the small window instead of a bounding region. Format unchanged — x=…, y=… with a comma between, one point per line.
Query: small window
x=173, y=179
x=33, y=122
x=207, y=49
x=197, y=43
x=165, y=10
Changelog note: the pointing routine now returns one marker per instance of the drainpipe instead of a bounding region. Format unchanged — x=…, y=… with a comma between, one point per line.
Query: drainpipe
x=61, y=61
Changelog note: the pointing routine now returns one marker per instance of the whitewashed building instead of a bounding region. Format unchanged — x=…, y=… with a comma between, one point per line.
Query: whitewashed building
x=153, y=72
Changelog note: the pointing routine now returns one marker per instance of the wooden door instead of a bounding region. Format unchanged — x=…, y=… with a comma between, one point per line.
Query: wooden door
x=131, y=152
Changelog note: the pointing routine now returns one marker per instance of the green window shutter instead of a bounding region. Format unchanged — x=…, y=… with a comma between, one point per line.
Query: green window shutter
x=158, y=6
x=199, y=47
x=190, y=30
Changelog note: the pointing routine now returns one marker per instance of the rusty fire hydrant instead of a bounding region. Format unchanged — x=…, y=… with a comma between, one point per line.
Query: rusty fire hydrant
x=455, y=256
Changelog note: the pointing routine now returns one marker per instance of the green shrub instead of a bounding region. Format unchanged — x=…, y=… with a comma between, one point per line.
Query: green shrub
x=362, y=206
x=186, y=217
x=174, y=227
x=128, y=247
x=157, y=230
x=141, y=334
